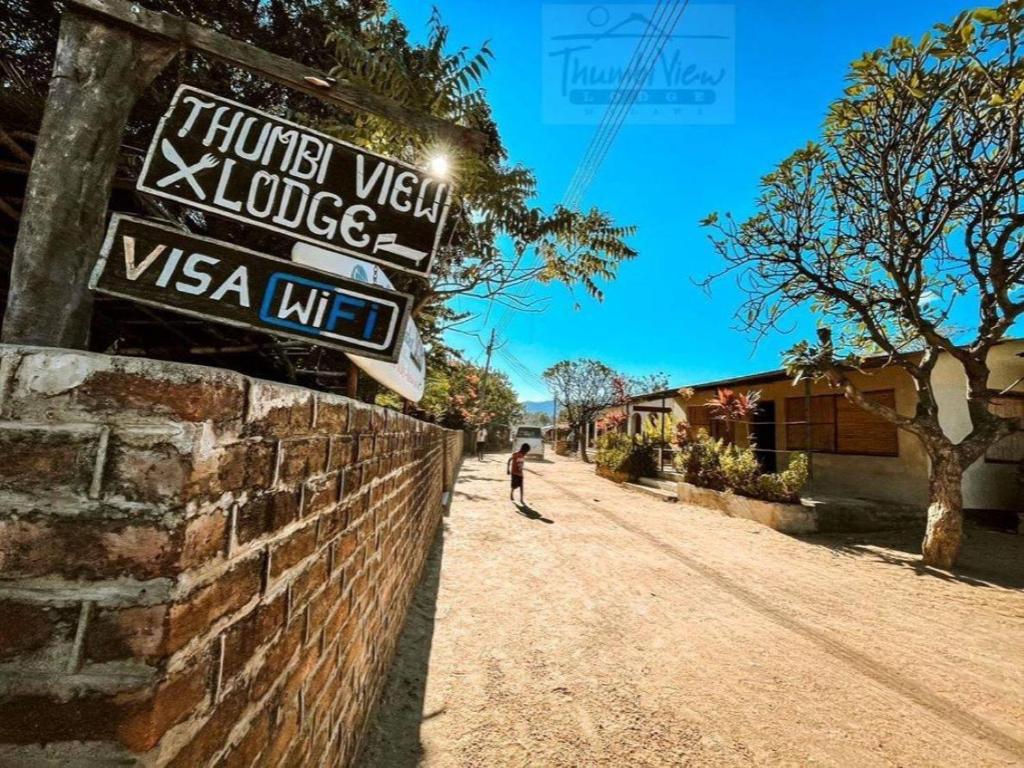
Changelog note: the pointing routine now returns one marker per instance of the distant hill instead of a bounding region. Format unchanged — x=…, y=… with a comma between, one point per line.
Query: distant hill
x=538, y=406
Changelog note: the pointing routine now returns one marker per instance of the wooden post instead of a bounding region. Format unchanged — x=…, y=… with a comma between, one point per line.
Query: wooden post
x=297, y=76
x=661, y=446
x=808, y=428
x=352, y=381
x=99, y=73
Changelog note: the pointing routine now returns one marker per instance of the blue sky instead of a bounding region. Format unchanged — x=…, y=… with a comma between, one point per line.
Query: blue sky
x=790, y=62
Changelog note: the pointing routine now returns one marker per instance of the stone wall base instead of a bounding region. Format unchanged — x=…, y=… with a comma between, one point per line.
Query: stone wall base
x=822, y=514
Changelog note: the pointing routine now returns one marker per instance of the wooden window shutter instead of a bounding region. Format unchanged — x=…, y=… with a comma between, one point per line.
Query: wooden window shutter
x=1009, y=450
x=823, y=415
x=698, y=417
x=858, y=431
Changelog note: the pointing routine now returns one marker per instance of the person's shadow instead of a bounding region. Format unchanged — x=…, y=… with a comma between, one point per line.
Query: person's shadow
x=531, y=514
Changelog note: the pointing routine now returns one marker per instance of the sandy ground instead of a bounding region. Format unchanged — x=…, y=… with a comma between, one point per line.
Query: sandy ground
x=600, y=627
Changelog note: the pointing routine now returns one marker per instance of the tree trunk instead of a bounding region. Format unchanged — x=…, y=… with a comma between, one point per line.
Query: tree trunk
x=98, y=74
x=581, y=440
x=944, y=531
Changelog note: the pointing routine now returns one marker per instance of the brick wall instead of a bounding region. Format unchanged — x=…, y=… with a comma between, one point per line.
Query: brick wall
x=199, y=568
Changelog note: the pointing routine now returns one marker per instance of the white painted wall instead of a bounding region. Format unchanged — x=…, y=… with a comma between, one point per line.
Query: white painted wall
x=986, y=485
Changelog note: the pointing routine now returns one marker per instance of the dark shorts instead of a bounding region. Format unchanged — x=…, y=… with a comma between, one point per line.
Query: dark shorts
x=517, y=481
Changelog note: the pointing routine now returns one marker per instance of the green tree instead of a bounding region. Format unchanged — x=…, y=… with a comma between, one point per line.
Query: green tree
x=296, y=29
x=904, y=220
x=457, y=396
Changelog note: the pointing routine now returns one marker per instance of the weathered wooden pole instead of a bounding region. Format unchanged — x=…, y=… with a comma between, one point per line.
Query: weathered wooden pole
x=99, y=73
x=352, y=381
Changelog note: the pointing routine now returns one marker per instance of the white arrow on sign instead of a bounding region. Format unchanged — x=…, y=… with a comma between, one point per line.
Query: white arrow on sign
x=407, y=377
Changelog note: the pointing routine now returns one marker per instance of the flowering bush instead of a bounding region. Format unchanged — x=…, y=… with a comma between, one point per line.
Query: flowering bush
x=613, y=421
x=722, y=466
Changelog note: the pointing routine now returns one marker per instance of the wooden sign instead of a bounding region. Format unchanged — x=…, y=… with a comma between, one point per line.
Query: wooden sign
x=197, y=276
x=229, y=159
x=407, y=376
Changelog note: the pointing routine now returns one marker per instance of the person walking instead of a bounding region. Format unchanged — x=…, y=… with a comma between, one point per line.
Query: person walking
x=514, y=467
x=481, y=441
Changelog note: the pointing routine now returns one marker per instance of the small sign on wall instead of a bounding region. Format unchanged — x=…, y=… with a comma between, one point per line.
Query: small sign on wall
x=235, y=161
x=164, y=267
x=406, y=376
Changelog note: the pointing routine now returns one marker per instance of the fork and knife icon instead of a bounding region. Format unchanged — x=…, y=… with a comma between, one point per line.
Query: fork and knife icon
x=185, y=171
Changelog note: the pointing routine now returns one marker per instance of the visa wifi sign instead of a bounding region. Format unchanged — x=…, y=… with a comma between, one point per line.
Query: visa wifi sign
x=164, y=267
x=229, y=159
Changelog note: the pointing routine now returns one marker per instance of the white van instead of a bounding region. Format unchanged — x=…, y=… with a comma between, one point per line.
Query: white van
x=533, y=437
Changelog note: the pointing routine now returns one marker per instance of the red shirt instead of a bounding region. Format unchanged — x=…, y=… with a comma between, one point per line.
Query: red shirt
x=518, y=459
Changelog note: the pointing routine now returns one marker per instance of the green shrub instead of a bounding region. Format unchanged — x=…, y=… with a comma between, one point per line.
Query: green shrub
x=619, y=453
x=613, y=450
x=643, y=461
x=700, y=462
x=722, y=466
x=653, y=431
x=783, y=486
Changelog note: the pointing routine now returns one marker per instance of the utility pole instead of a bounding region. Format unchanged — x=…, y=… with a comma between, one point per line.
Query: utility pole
x=487, y=370
x=483, y=383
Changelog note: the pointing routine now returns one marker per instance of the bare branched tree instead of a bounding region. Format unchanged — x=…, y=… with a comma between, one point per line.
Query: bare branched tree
x=904, y=218
x=586, y=387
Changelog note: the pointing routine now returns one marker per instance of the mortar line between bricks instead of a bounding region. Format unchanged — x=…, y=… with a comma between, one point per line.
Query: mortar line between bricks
x=197, y=578
x=50, y=426
x=249, y=716
x=75, y=658
x=198, y=643
x=218, y=680
x=106, y=593
x=888, y=678
x=96, y=486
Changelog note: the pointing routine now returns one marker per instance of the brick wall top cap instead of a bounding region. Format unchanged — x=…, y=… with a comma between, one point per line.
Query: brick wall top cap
x=71, y=385
x=56, y=385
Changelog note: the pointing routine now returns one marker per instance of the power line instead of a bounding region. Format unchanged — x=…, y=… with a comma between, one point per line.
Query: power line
x=623, y=99
x=620, y=102
x=646, y=53
x=634, y=77
x=520, y=368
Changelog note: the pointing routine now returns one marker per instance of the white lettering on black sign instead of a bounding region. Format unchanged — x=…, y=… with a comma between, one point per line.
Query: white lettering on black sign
x=229, y=159
x=157, y=265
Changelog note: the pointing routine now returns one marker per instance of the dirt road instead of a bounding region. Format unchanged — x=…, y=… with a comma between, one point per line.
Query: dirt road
x=600, y=627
